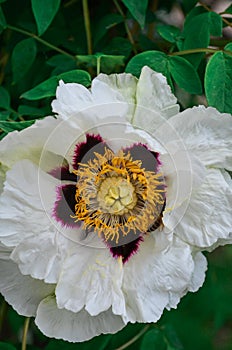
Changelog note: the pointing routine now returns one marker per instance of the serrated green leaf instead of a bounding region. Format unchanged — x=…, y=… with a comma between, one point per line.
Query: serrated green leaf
x=6, y=346
x=106, y=22
x=23, y=56
x=4, y=98
x=44, y=11
x=169, y=33
x=156, y=60
x=138, y=10
x=218, y=82
x=184, y=75
x=11, y=126
x=3, y=23
x=153, y=340
x=48, y=87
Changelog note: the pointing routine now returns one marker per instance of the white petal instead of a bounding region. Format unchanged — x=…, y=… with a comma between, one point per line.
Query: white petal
x=28, y=143
x=3, y=170
x=41, y=256
x=72, y=99
x=22, y=292
x=124, y=84
x=74, y=327
x=182, y=173
x=21, y=208
x=155, y=101
x=208, y=218
x=154, y=272
x=90, y=278
x=198, y=276
x=205, y=132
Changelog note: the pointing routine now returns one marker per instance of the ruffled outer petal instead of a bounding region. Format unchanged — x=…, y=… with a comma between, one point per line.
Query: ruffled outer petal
x=91, y=279
x=101, y=100
x=21, y=209
x=74, y=327
x=38, y=242
x=157, y=274
x=204, y=131
x=23, y=292
x=208, y=217
x=154, y=101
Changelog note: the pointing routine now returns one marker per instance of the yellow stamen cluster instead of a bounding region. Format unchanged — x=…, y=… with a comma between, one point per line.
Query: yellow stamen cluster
x=115, y=195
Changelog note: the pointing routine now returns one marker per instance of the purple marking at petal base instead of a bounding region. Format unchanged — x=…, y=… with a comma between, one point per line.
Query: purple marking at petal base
x=141, y=152
x=64, y=206
x=126, y=250
x=62, y=173
x=83, y=147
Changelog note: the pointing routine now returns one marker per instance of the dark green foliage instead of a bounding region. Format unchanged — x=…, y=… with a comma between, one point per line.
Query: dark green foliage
x=45, y=41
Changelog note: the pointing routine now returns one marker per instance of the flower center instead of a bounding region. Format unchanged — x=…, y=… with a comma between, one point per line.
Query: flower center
x=116, y=195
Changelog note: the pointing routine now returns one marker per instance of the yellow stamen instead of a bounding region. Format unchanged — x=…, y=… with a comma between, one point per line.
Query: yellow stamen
x=115, y=195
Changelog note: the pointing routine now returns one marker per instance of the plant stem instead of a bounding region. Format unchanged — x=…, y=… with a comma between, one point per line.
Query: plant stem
x=133, y=340
x=198, y=50
x=130, y=37
x=209, y=9
x=98, y=65
x=44, y=42
x=25, y=331
x=87, y=26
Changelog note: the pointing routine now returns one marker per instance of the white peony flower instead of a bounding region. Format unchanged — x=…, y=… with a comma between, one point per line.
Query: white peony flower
x=106, y=208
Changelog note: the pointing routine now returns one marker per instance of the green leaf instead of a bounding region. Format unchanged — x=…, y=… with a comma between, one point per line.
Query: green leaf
x=3, y=23
x=106, y=22
x=125, y=335
x=11, y=126
x=184, y=75
x=169, y=33
x=6, y=346
x=196, y=35
x=156, y=60
x=61, y=63
x=44, y=12
x=4, y=98
x=118, y=46
x=228, y=47
x=30, y=111
x=218, y=82
x=189, y=4
x=48, y=87
x=4, y=115
x=23, y=56
x=138, y=9
x=215, y=21
x=229, y=9
x=153, y=340
x=107, y=63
